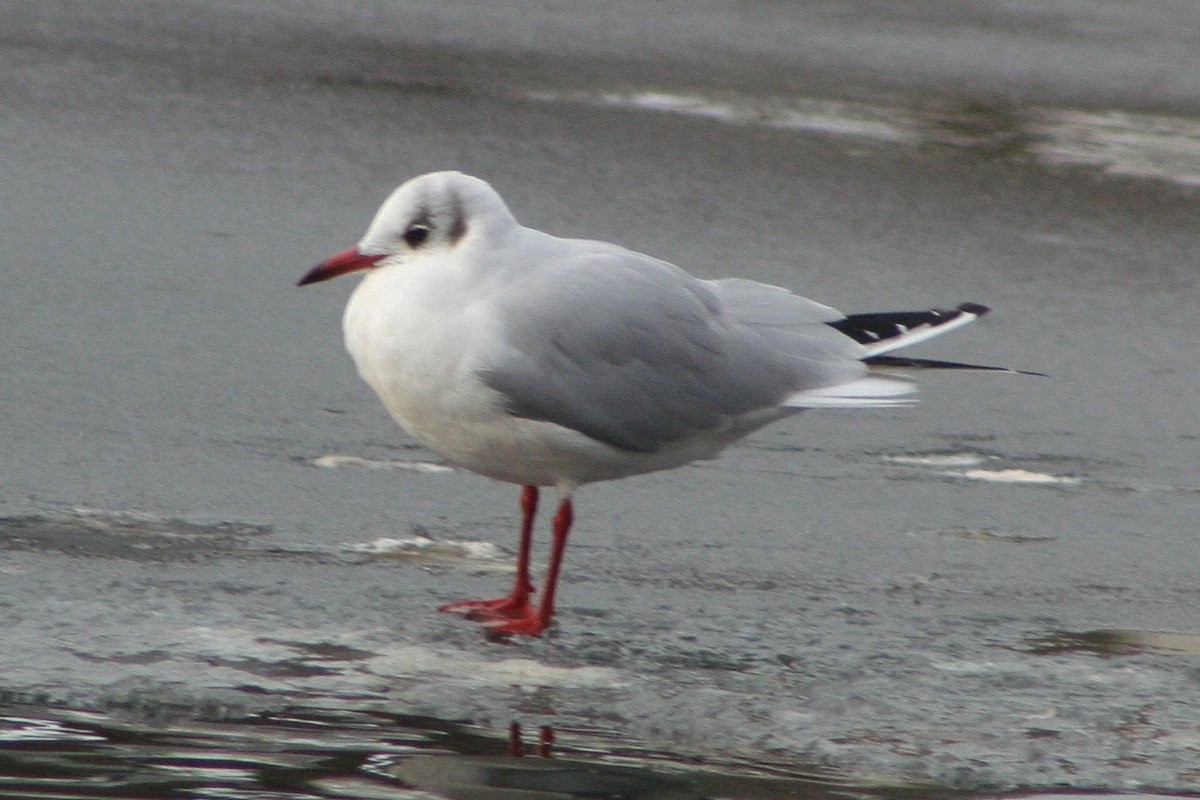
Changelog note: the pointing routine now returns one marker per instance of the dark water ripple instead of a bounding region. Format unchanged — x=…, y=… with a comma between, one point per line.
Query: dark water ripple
x=320, y=753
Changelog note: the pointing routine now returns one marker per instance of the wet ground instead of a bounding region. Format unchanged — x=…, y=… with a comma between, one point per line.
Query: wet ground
x=220, y=561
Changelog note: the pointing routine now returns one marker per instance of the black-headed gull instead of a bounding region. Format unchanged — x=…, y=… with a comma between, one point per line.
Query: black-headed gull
x=558, y=362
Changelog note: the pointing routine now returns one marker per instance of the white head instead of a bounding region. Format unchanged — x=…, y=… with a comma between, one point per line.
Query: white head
x=430, y=213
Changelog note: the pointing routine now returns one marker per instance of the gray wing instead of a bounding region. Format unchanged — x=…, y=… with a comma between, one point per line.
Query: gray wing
x=638, y=354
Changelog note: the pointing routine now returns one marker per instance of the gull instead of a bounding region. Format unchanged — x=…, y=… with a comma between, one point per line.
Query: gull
x=552, y=362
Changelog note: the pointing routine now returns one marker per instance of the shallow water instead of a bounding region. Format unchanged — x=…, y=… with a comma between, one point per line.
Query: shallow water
x=211, y=534
x=303, y=753
x=314, y=752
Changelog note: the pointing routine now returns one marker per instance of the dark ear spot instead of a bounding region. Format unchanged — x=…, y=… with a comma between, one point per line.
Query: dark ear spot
x=458, y=220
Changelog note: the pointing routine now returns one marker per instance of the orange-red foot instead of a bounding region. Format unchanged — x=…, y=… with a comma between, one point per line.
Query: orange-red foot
x=500, y=608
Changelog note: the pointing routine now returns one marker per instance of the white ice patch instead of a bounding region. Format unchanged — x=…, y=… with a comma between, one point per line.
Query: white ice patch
x=977, y=668
x=26, y=730
x=418, y=662
x=937, y=459
x=1019, y=476
x=979, y=535
x=1118, y=142
x=335, y=461
x=798, y=113
x=424, y=547
x=968, y=465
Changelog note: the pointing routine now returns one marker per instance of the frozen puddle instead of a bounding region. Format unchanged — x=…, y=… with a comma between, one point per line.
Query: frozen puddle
x=135, y=535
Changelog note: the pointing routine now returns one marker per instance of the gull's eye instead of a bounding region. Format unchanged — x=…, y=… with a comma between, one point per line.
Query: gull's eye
x=417, y=233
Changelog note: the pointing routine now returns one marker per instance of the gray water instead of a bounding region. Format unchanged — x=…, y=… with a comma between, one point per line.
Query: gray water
x=207, y=520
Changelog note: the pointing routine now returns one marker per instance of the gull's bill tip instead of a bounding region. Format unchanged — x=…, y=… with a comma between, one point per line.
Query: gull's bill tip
x=350, y=260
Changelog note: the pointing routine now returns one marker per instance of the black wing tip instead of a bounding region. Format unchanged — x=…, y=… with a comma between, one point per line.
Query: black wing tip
x=905, y=362
x=978, y=309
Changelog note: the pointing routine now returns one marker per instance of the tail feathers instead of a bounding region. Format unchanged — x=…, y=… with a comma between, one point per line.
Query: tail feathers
x=887, y=331
x=869, y=392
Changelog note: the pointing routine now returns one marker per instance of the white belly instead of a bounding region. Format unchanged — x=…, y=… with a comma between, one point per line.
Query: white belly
x=422, y=361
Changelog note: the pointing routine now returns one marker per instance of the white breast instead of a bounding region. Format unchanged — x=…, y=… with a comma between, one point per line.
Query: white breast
x=418, y=345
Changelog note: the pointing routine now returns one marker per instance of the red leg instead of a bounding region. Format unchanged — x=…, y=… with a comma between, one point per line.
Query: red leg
x=533, y=623
x=516, y=603
x=515, y=746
